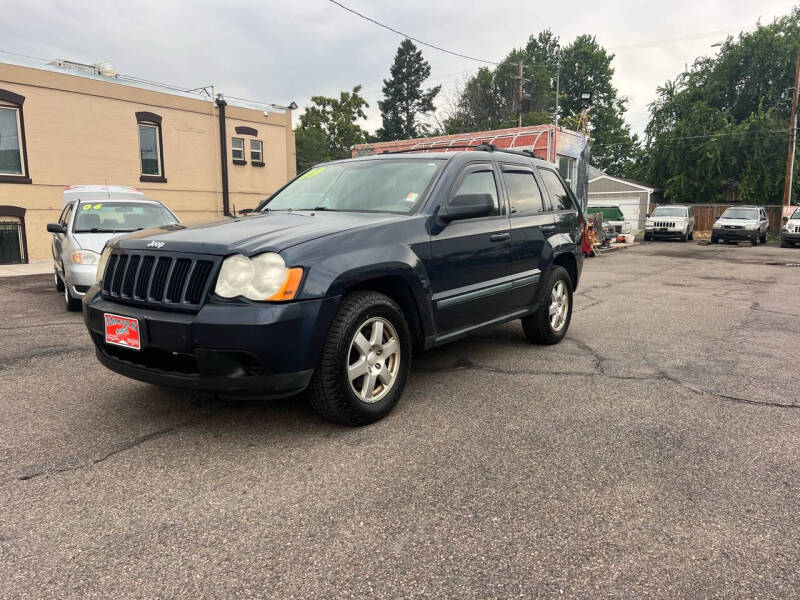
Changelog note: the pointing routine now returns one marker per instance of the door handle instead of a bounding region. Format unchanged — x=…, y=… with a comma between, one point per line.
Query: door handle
x=500, y=237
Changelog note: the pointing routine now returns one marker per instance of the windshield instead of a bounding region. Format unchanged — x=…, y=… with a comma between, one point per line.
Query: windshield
x=669, y=211
x=119, y=217
x=386, y=186
x=741, y=213
x=796, y=214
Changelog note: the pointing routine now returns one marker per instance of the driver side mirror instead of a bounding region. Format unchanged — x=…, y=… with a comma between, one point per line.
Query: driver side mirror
x=55, y=228
x=785, y=220
x=467, y=206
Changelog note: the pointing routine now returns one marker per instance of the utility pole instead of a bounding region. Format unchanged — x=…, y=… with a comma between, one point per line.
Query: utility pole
x=558, y=84
x=787, y=186
x=519, y=94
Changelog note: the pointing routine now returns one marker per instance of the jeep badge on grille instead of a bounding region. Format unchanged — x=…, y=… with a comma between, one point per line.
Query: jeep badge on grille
x=155, y=244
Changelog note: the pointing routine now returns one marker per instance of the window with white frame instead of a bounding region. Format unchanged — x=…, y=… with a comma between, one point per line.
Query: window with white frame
x=237, y=148
x=11, y=149
x=256, y=151
x=150, y=149
x=566, y=168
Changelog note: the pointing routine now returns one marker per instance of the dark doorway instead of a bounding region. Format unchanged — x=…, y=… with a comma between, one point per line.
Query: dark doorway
x=13, y=245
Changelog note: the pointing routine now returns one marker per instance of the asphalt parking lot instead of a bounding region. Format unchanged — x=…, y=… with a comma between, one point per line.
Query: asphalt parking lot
x=654, y=453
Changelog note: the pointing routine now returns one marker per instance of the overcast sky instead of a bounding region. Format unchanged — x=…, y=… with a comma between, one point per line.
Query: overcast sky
x=281, y=50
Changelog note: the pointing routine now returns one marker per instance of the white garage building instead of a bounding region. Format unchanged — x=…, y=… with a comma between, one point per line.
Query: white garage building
x=632, y=197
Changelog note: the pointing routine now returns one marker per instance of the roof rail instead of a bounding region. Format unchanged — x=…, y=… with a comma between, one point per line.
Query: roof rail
x=479, y=148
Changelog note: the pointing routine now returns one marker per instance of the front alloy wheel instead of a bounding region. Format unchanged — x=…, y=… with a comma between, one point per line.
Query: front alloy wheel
x=373, y=360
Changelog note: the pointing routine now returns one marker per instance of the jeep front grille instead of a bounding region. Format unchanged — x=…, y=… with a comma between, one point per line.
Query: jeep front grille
x=664, y=224
x=179, y=281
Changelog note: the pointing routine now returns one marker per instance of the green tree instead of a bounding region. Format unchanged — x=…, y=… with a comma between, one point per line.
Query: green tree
x=404, y=100
x=327, y=129
x=718, y=131
x=586, y=67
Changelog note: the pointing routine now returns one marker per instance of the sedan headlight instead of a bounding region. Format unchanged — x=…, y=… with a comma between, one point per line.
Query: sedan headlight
x=750, y=225
x=85, y=257
x=263, y=277
x=101, y=264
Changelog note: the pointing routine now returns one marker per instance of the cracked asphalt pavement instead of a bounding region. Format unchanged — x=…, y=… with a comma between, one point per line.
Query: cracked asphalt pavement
x=654, y=453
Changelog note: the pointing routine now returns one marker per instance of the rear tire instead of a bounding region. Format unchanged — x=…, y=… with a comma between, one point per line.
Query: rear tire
x=691, y=235
x=338, y=395
x=71, y=304
x=549, y=324
x=59, y=283
x=685, y=237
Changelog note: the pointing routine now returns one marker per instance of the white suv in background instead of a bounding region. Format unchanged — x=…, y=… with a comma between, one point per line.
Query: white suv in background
x=741, y=224
x=670, y=222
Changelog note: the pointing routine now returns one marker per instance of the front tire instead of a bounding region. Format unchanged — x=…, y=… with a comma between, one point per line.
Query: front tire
x=754, y=241
x=71, y=304
x=365, y=361
x=58, y=282
x=764, y=239
x=549, y=324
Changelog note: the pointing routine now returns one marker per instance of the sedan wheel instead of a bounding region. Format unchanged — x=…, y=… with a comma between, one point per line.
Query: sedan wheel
x=71, y=304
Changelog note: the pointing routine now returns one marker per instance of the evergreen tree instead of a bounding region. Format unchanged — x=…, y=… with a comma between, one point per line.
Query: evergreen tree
x=404, y=100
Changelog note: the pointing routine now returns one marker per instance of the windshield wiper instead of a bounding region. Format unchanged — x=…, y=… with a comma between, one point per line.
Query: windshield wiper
x=98, y=230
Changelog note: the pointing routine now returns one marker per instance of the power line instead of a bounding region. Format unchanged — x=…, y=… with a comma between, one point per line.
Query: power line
x=393, y=30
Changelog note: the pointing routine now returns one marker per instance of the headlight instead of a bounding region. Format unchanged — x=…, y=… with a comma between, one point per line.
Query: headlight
x=750, y=225
x=263, y=277
x=101, y=264
x=716, y=225
x=648, y=223
x=85, y=257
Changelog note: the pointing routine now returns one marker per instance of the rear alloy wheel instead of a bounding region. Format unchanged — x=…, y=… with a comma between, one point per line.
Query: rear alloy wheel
x=365, y=361
x=72, y=304
x=59, y=283
x=549, y=324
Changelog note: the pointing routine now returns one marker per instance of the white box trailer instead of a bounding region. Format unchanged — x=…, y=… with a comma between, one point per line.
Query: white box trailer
x=100, y=192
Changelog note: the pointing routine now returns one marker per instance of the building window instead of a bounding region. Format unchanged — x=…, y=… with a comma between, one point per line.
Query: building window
x=237, y=151
x=151, y=148
x=13, y=154
x=256, y=153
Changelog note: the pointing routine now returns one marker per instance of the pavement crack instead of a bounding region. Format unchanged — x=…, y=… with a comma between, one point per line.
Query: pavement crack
x=756, y=306
x=41, y=325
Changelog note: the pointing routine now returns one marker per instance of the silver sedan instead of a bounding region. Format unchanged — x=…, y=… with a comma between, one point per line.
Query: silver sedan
x=83, y=229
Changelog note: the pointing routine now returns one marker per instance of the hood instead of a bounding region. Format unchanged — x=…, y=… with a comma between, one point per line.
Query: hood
x=263, y=232
x=722, y=221
x=657, y=218
x=93, y=241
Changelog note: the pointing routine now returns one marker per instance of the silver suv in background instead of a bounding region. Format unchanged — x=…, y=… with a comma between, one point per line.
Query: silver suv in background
x=740, y=224
x=670, y=222
x=790, y=230
x=83, y=229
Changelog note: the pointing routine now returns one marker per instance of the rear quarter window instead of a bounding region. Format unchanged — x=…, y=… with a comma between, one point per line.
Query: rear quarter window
x=559, y=195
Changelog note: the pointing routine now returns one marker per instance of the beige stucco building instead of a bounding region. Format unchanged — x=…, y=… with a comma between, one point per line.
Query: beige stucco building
x=62, y=125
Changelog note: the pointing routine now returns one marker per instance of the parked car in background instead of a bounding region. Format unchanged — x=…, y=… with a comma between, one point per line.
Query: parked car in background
x=670, y=222
x=741, y=224
x=339, y=275
x=613, y=219
x=82, y=231
x=790, y=230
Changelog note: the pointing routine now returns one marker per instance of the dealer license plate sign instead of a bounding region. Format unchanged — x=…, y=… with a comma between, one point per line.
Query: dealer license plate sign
x=122, y=331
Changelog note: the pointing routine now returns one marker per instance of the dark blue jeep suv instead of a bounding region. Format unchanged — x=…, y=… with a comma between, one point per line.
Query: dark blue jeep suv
x=336, y=278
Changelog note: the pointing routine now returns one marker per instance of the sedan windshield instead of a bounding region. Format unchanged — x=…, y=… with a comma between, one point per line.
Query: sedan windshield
x=384, y=186
x=669, y=211
x=120, y=217
x=740, y=213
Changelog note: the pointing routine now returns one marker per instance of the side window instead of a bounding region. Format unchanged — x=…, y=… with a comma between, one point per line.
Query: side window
x=480, y=181
x=558, y=193
x=524, y=194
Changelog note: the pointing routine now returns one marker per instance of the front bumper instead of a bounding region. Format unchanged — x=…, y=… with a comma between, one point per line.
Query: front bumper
x=735, y=235
x=236, y=347
x=790, y=237
x=80, y=277
x=664, y=232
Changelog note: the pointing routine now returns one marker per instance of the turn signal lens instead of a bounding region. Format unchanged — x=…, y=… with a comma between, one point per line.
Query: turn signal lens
x=290, y=286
